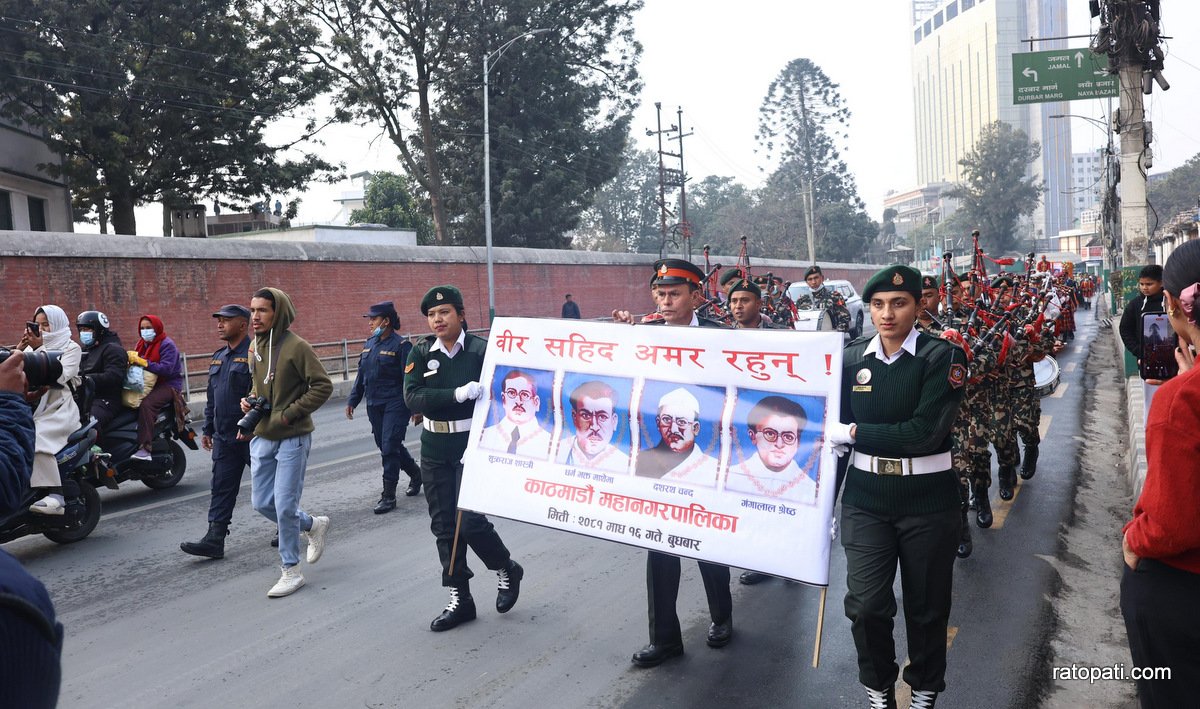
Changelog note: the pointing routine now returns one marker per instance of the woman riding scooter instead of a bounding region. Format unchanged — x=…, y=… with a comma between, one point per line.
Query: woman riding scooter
x=158, y=354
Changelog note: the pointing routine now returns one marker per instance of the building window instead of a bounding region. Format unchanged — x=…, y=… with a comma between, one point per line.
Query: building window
x=968, y=4
x=917, y=35
x=937, y=20
x=928, y=28
x=952, y=11
x=37, y=214
x=6, y=223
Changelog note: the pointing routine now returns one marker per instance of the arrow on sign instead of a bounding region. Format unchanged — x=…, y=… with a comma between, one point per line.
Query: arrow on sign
x=1078, y=60
x=1028, y=72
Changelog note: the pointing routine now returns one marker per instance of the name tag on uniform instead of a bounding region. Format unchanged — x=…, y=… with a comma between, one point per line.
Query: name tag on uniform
x=216, y=363
x=862, y=388
x=387, y=354
x=241, y=360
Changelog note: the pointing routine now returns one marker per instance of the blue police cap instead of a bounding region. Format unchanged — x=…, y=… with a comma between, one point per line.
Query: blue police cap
x=233, y=311
x=382, y=310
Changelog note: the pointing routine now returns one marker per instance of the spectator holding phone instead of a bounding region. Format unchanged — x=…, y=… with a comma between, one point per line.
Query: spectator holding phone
x=55, y=413
x=1148, y=300
x=1161, y=544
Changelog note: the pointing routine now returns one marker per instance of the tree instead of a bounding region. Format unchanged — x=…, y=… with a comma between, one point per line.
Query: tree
x=1177, y=191
x=843, y=232
x=148, y=100
x=720, y=210
x=995, y=192
x=390, y=201
x=560, y=109
x=624, y=214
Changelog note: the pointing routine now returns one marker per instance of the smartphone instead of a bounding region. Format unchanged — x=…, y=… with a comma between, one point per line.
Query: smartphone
x=33, y=328
x=1159, y=342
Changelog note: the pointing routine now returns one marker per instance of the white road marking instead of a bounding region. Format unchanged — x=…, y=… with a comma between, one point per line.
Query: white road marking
x=1058, y=393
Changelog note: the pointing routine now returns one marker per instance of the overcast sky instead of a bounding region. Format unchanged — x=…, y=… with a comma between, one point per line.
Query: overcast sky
x=715, y=58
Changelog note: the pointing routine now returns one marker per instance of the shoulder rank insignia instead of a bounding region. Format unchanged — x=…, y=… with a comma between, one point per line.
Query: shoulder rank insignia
x=408, y=367
x=958, y=375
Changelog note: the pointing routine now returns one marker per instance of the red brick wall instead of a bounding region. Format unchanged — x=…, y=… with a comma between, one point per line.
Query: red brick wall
x=329, y=296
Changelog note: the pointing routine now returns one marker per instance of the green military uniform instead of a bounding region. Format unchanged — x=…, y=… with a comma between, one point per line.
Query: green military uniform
x=901, y=500
x=430, y=380
x=733, y=285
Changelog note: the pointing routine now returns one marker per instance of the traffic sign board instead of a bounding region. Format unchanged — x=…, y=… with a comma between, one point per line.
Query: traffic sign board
x=1061, y=75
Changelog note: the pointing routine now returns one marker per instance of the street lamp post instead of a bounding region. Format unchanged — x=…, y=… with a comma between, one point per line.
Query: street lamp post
x=1112, y=258
x=487, y=168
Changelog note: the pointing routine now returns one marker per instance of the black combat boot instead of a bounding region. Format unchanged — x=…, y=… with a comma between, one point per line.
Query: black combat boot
x=508, y=587
x=1029, y=464
x=983, y=506
x=460, y=610
x=387, y=501
x=881, y=698
x=1007, y=477
x=414, y=478
x=213, y=543
x=964, y=539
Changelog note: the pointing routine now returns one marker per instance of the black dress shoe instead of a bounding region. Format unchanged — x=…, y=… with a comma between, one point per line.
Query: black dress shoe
x=414, y=487
x=1029, y=463
x=719, y=634
x=275, y=541
x=749, y=578
x=654, y=655
x=1007, y=477
x=508, y=588
x=460, y=610
x=386, y=504
x=983, y=512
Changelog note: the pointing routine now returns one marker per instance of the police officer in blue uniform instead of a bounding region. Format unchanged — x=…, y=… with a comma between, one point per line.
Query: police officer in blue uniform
x=380, y=380
x=228, y=382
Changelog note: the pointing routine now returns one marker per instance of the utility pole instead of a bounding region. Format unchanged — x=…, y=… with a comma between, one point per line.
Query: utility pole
x=1131, y=118
x=670, y=177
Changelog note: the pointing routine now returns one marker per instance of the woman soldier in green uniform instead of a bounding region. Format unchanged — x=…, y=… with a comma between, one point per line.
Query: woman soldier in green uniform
x=900, y=394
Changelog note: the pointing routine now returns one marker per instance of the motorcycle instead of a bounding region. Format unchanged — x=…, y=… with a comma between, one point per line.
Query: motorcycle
x=78, y=461
x=167, y=463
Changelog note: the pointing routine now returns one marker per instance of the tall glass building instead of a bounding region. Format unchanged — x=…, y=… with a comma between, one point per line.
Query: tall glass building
x=962, y=80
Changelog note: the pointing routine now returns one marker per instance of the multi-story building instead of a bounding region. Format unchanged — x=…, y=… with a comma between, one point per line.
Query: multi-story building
x=31, y=199
x=962, y=81
x=1087, y=181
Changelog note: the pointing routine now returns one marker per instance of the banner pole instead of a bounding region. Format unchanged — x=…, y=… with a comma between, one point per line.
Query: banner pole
x=454, y=547
x=820, y=628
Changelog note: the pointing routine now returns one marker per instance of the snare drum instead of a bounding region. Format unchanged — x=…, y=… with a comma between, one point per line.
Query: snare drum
x=814, y=321
x=1045, y=375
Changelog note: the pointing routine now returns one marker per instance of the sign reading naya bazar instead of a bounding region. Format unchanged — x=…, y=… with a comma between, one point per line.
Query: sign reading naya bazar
x=1061, y=75
x=698, y=442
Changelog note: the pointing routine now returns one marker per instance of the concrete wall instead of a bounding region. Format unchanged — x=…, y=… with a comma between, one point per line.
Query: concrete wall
x=185, y=280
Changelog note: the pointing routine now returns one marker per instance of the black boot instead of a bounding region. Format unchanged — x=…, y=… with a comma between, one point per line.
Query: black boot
x=460, y=610
x=213, y=543
x=508, y=588
x=414, y=478
x=1029, y=464
x=964, y=539
x=881, y=698
x=1007, y=477
x=387, y=501
x=983, y=506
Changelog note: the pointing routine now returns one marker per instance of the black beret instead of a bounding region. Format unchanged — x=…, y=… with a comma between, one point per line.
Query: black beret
x=929, y=282
x=811, y=270
x=233, y=311
x=730, y=275
x=441, y=295
x=894, y=278
x=1005, y=281
x=675, y=271
x=742, y=284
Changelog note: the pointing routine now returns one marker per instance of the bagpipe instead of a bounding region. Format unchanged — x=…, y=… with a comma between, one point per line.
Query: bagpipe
x=777, y=306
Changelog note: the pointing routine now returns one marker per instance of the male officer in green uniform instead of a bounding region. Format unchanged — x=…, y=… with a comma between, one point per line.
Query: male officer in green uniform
x=674, y=286
x=900, y=394
x=441, y=382
x=745, y=305
x=380, y=380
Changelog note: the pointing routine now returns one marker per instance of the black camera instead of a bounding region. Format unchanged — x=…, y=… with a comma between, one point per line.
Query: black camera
x=42, y=369
x=259, y=407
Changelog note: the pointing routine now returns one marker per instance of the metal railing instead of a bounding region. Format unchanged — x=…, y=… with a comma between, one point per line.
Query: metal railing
x=339, y=357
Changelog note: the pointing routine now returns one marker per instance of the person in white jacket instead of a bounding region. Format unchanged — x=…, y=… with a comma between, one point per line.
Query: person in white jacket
x=55, y=415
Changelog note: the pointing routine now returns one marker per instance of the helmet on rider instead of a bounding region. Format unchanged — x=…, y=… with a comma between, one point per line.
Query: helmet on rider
x=95, y=321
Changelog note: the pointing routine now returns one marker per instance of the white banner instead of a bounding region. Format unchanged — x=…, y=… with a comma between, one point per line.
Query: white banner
x=698, y=442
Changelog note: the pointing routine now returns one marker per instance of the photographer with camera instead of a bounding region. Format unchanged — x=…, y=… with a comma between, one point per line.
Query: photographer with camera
x=30, y=636
x=104, y=363
x=289, y=383
x=55, y=414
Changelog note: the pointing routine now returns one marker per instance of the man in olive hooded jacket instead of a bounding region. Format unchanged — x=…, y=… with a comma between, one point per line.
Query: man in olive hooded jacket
x=289, y=377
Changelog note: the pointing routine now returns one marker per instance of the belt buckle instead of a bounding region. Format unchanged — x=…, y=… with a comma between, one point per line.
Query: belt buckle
x=441, y=426
x=889, y=466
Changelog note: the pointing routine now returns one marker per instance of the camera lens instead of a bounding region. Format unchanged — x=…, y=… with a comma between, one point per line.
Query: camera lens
x=41, y=368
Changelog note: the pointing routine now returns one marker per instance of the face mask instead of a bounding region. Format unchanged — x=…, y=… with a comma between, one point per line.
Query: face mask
x=87, y=338
x=148, y=334
x=377, y=331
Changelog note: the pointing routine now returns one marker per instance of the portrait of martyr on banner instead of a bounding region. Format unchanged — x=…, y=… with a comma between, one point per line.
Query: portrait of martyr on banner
x=680, y=428
x=776, y=445
x=595, y=432
x=518, y=421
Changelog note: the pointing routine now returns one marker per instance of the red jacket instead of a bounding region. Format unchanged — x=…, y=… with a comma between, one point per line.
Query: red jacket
x=1166, y=518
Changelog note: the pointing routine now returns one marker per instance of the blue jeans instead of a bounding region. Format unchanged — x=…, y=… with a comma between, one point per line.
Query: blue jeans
x=276, y=482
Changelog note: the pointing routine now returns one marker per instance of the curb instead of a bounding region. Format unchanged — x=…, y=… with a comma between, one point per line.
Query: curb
x=1135, y=423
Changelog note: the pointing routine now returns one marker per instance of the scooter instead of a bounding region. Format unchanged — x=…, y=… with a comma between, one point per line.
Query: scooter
x=167, y=464
x=78, y=461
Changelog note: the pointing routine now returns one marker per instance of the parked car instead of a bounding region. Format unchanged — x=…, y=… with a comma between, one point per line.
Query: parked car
x=853, y=301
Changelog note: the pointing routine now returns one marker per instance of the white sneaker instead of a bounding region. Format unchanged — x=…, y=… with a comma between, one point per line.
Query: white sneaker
x=142, y=454
x=52, y=504
x=289, y=582
x=316, y=539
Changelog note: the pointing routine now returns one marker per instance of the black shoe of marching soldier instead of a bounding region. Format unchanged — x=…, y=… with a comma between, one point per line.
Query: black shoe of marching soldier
x=414, y=478
x=983, y=506
x=965, y=547
x=1029, y=464
x=387, y=501
x=881, y=698
x=508, y=587
x=460, y=610
x=275, y=539
x=213, y=543
x=749, y=578
x=1007, y=477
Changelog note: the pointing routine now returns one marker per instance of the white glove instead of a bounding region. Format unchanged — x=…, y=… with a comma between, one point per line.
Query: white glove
x=833, y=529
x=470, y=390
x=840, y=433
x=838, y=449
